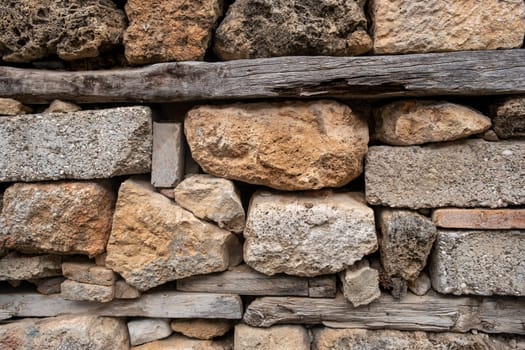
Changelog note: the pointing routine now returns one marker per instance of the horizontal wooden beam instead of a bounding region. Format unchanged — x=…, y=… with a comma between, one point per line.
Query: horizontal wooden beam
x=431, y=312
x=453, y=73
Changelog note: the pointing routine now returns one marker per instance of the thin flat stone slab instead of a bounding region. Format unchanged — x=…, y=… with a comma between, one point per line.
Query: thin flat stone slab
x=79, y=145
x=480, y=219
x=479, y=262
x=470, y=173
x=16, y=267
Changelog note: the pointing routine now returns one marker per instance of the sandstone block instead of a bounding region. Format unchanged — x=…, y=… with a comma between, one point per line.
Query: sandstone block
x=170, y=30
x=81, y=145
x=255, y=29
x=468, y=173
x=214, y=199
x=125, y=291
x=72, y=290
x=406, y=241
x=276, y=337
x=480, y=219
x=509, y=117
x=404, y=26
x=65, y=332
x=307, y=234
x=167, y=168
x=414, y=122
x=8, y=106
x=147, y=330
x=75, y=29
x=421, y=285
x=58, y=217
x=287, y=146
x=19, y=267
x=201, y=328
x=166, y=244
x=179, y=342
x=58, y=106
x=479, y=262
x=88, y=273
x=360, y=283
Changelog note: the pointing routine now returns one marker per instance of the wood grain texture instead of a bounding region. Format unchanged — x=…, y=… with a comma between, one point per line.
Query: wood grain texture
x=431, y=312
x=451, y=73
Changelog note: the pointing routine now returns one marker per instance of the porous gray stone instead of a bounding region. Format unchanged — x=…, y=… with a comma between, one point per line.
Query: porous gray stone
x=167, y=168
x=421, y=285
x=479, y=262
x=276, y=337
x=21, y=267
x=467, y=173
x=148, y=329
x=360, y=283
x=509, y=117
x=80, y=145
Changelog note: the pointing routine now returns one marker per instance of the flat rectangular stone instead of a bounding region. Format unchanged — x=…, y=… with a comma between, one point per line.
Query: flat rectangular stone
x=469, y=173
x=72, y=290
x=78, y=145
x=20, y=267
x=479, y=262
x=88, y=273
x=168, y=155
x=491, y=219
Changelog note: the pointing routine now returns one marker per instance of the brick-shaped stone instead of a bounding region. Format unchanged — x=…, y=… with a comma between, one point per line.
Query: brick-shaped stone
x=88, y=273
x=479, y=219
x=167, y=168
x=146, y=330
x=72, y=290
x=509, y=117
x=276, y=337
x=20, y=267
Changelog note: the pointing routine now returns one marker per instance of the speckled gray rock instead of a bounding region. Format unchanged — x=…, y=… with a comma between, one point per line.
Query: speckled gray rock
x=167, y=168
x=277, y=337
x=466, y=173
x=80, y=145
x=20, y=267
x=509, y=117
x=72, y=290
x=479, y=262
x=360, y=283
x=268, y=28
x=307, y=234
x=146, y=330
x=74, y=29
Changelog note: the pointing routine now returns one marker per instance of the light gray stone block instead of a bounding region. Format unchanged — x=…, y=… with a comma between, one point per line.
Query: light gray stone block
x=168, y=155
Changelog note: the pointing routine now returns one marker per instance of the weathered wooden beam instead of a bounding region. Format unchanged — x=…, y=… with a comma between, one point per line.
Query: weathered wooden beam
x=452, y=73
x=157, y=304
x=433, y=312
x=246, y=281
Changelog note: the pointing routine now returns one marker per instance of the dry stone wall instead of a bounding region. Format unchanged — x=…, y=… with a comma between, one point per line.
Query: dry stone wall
x=269, y=210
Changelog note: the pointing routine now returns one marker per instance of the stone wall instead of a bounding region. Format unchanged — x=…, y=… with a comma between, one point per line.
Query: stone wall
x=293, y=218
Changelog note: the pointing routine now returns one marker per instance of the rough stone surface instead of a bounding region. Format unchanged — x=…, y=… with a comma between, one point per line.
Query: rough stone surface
x=167, y=168
x=201, y=328
x=414, y=122
x=287, y=146
x=172, y=30
x=48, y=286
x=88, y=273
x=125, y=291
x=166, y=244
x=179, y=342
x=479, y=219
x=18, y=267
x=479, y=262
x=256, y=29
x=58, y=217
x=74, y=29
x=360, y=283
x=214, y=199
x=80, y=145
x=406, y=241
x=8, y=106
x=307, y=234
x=468, y=173
x=276, y=337
x=404, y=26
x=509, y=117
x=58, y=106
x=147, y=330
x=72, y=290
x=65, y=332
x=421, y=285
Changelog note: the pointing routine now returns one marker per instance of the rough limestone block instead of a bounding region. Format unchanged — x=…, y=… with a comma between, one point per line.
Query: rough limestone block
x=509, y=117
x=287, y=145
x=479, y=219
x=406, y=241
x=201, y=328
x=73, y=29
x=414, y=122
x=479, y=262
x=466, y=173
x=214, y=199
x=307, y=234
x=88, y=273
x=58, y=217
x=125, y=291
x=72, y=290
x=58, y=106
x=360, y=283
x=148, y=329
x=421, y=285
x=405, y=26
x=171, y=30
x=81, y=145
x=8, y=106
x=19, y=267
x=255, y=29
x=179, y=342
x=276, y=337
x=167, y=168
x=166, y=244
x=65, y=332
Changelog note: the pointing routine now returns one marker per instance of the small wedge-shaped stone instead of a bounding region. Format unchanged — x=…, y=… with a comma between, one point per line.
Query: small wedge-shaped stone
x=287, y=146
x=479, y=262
x=154, y=241
x=307, y=234
x=79, y=145
x=212, y=198
x=276, y=337
x=88, y=273
x=467, y=173
x=8, y=106
x=201, y=328
x=509, y=117
x=146, y=330
x=72, y=290
x=360, y=283
x=58, y=106
x=19, y=267
x=125, y=291
x=414, y=122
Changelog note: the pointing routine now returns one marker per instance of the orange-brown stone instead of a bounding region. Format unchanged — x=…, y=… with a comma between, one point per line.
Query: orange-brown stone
x=480, y=218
